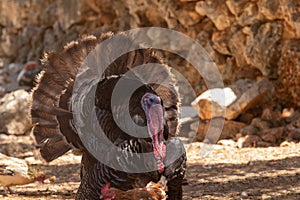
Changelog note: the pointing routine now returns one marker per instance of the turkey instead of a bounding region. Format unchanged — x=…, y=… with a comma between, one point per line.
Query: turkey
x=27, y=75
x=15, y=171
x=117, y=102
x=153, y=191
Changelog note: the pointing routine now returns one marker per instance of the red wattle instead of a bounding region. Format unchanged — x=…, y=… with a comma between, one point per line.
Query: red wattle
x=155, y=130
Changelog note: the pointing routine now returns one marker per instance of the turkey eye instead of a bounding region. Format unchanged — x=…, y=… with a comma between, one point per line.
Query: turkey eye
x=151, y=100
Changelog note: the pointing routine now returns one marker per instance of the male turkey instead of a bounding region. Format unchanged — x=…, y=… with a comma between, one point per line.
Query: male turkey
x=27, y=75
x=87, y=89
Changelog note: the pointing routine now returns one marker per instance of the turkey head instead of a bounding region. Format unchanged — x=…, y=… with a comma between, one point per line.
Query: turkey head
x=28, y=74
x=152, y=106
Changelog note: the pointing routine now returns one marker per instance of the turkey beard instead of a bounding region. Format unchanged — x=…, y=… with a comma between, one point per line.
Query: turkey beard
x=155, y=124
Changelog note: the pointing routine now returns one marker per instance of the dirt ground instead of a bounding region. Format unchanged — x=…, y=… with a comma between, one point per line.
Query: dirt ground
x=224, y=173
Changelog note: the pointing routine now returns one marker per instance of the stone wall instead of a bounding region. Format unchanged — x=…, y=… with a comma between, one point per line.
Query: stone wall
x=247, y=39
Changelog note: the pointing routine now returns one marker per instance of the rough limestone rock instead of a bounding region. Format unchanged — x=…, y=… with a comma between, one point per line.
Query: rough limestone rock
x=286, y=128
x=8, y=78
x=262, y=46
x=273, y=117
x=288, y=72
x=230, y=102
x=243, y=37
x=249, y=141
x=212, y=103
x=216, y=11
x=229, y=130
x=274, y=135
x=14, y=118
x=262, y=138
x=293, y=130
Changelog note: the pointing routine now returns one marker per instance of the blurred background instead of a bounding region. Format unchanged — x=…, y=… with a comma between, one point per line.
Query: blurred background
x=246, y=39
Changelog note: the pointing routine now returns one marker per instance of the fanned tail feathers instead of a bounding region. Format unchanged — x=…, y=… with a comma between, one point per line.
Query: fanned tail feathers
x=51, y=108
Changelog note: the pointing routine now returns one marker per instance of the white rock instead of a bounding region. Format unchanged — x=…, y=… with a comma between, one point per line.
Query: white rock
x=244, y=194
x=14, y=118
x=231, y=101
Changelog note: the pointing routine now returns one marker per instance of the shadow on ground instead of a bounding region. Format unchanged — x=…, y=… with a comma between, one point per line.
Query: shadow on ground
x=254, y=180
